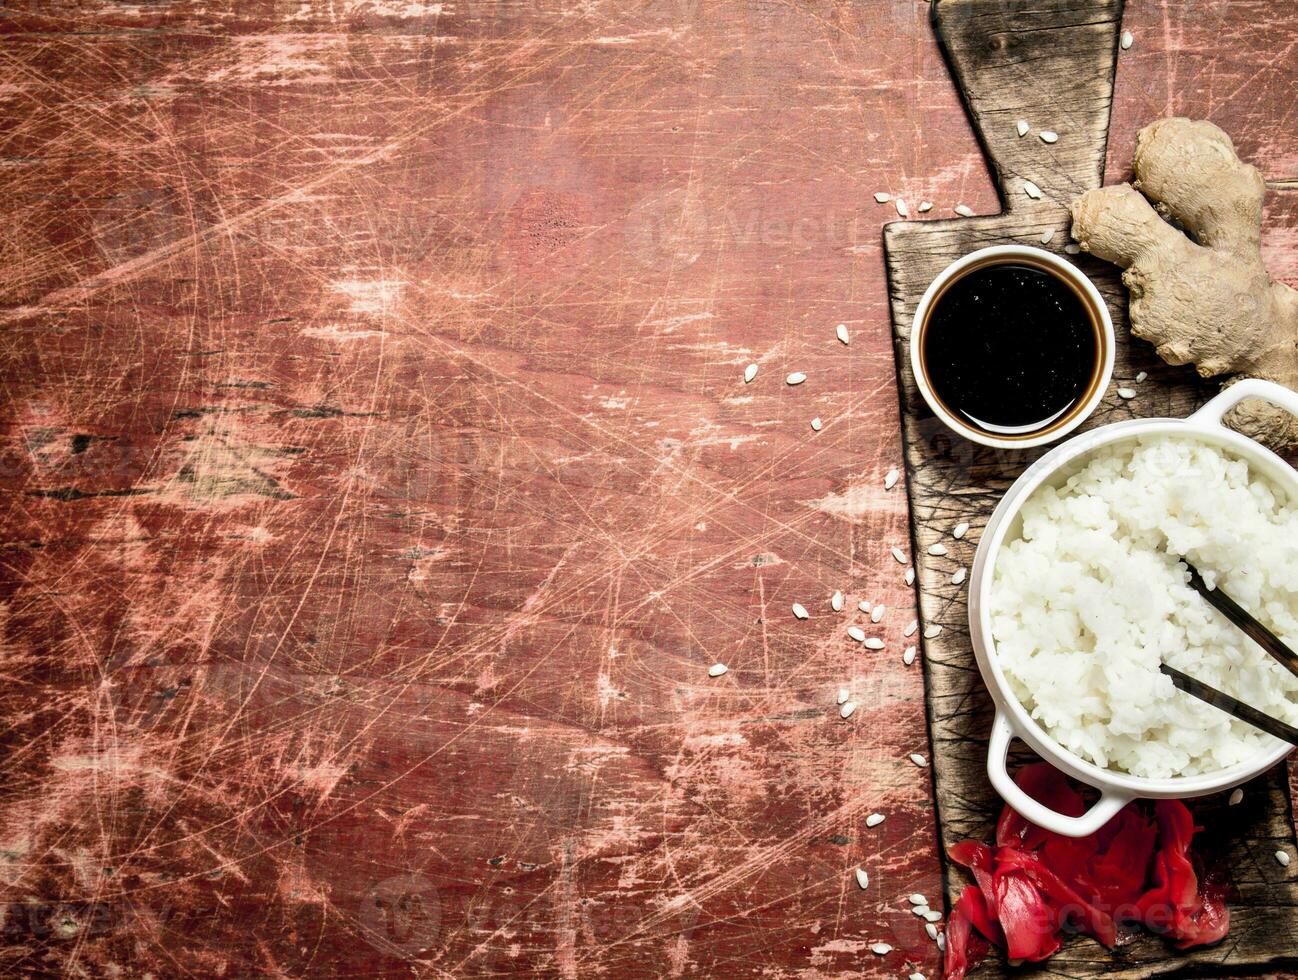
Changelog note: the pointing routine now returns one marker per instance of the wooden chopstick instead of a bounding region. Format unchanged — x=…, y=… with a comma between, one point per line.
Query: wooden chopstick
x=1240, y=616
x=1232, y=706
x=1260, y=635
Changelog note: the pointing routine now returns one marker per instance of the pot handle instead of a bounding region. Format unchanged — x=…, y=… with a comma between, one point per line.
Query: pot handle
x=1215, y=410
x=1097, y=816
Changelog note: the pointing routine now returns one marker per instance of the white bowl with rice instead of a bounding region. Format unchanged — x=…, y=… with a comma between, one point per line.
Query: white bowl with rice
x=1076, y=596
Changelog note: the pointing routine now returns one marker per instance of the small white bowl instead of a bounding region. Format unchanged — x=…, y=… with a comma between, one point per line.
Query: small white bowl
x=1012, y=719
x=1048, y=262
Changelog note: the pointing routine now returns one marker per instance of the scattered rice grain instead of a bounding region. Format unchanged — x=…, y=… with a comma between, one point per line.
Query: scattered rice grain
x=1022, y=127
x=846, y=710
x=750, y=372
x=862, y=879
x=856, y=633
x=959, y=576
x=881, y=949
x=908, y=657
x=932, y=631
x=933, y=916
x=836, y=601
x=890, y=480
x=816, y=424
x=917, y=899
x=925, y=206
x=863, y=606
x=898, y=554
x=716, y=670
x=1126, y=392
x=1128, y=39
x=883, y=197
x=963, y=210
x=1236, y=797
x=960, y=530
x=1032, y=190
x=1048, y=136
x=901, y=207
x=910, y=576
x=874, y=643
x=1047, y=235
x=937, y=550
x=1072, y=248
x=843, y=695
x=932, y=933
x=800, y=610
x=918, y=759
x=878, y=612
x=874, y=819
x=1142, y=376
x=1283, y=858
x=911, y=627
x=795, y=378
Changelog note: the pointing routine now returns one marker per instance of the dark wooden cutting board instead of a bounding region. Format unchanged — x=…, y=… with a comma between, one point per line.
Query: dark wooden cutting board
x=1050, y=62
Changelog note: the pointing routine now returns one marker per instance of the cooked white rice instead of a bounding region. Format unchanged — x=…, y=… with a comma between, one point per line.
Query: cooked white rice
x=1090, y=598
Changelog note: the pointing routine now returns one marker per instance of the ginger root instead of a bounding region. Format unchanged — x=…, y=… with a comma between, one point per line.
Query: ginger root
x=1207, y=301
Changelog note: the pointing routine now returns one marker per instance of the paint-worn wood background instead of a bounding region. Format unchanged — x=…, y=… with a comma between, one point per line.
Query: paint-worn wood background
x=379, y=483
x=1051, y=62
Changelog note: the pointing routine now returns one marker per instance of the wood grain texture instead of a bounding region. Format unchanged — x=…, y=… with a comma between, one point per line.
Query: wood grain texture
x=1052, y=62
x=378, y=483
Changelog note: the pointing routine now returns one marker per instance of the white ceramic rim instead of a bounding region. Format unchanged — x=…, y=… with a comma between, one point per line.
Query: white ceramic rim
x=1066, y=269
x=1012, y=719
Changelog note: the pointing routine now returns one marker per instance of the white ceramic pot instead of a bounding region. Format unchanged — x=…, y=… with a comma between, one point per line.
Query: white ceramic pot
x=1049, y=262
x=1012, y=720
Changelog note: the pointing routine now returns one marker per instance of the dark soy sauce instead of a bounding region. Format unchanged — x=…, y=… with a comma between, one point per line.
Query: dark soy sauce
x=1010, y=349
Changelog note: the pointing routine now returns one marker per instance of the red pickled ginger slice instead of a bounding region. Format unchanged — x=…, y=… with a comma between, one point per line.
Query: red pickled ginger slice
x=965, y=949
x=1029, y=923
x=1068, y=904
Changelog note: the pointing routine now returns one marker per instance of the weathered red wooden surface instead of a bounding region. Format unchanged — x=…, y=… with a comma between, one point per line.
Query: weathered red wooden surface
x=379, y=482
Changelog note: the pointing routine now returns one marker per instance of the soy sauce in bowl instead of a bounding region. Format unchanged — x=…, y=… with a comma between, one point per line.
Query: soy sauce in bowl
x=1011, y=349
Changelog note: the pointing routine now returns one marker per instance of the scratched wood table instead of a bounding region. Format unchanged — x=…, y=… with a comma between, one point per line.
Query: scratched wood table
x=379, y=482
